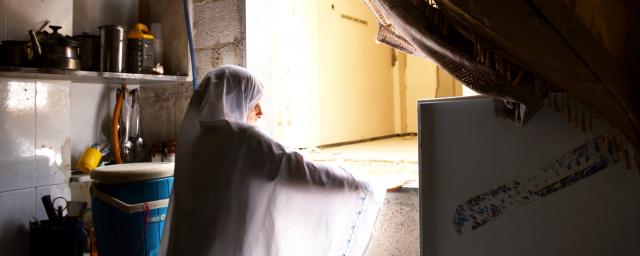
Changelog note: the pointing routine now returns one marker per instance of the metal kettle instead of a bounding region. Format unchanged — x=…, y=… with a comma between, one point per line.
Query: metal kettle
x=54, y=50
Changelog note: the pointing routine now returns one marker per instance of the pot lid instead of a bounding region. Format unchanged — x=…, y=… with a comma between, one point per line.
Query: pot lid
x=66, y=41
x=125, y=173
x=118, y=27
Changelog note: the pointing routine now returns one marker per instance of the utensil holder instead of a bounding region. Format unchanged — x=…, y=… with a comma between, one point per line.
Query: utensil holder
x=66, y=238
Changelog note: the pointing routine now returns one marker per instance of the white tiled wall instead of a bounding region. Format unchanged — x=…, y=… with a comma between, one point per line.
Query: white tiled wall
x=89, y=111
x=53, y=142
x=59, y=190
x=17, y=208
x=34, y=154
x=17, y=134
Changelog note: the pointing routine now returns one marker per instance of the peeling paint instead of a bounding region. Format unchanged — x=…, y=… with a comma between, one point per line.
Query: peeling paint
x=569, y=168
x=65, y=152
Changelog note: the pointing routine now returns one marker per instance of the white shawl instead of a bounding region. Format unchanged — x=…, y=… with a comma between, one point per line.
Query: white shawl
x=238, y=192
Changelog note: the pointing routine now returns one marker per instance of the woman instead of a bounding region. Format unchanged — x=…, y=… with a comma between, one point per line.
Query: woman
x=237, y=192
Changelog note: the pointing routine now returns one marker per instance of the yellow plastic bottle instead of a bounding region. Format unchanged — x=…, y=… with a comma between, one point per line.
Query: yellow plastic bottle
x=140, y=57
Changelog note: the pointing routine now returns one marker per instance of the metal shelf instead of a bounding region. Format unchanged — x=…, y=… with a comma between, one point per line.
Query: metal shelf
x=88, y=76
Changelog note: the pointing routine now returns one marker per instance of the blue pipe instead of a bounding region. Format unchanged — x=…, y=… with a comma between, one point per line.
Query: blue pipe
x=192, y=52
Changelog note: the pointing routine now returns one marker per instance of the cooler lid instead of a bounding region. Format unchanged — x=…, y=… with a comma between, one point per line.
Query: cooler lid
x=125, y=173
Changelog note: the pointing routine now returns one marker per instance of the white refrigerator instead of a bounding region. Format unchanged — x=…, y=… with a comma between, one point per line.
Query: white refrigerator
x=488, y=187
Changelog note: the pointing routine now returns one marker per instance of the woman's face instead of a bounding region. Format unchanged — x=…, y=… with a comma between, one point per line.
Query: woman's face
x=255, y=114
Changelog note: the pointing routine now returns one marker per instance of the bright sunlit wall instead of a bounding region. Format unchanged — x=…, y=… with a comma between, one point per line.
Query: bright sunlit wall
x=327, y=79
x=281, y=52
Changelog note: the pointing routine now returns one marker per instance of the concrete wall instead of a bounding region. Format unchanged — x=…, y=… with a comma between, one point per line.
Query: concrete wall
x=317, y=59
x=448, y=86
x=219, y=38
x=421, y=83
x=162, y=108
x=416, y=78
x=355, y=74
x=327, y=80
x=282, y=50
x=219, y=33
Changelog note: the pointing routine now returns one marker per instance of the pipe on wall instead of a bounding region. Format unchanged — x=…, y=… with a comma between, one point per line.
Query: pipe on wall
x=192, y=53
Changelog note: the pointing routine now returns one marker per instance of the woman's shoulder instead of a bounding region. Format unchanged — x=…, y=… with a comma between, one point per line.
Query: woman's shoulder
x=224, y=124
x=249, y=131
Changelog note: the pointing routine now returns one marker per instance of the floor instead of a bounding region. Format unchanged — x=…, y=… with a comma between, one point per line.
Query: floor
x=394, y=159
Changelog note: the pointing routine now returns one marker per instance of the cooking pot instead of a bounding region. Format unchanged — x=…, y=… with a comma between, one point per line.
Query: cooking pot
x=54, y=50
x=89, y=52
x=113, y=48
x=14, y=53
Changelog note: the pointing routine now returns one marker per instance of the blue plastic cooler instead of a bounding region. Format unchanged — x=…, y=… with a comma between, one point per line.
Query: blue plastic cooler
x=129, y=206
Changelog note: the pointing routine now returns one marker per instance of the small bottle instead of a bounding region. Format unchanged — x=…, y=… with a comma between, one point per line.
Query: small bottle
x=171, y=152
x=157, y=151
x=140, y=57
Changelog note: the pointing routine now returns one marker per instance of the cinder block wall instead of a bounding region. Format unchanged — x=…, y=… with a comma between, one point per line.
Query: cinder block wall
x=219, y=33
x=219, y=38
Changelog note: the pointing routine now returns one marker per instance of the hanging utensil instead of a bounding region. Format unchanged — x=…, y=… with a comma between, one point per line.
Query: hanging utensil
x=115, y=141
x=126, y=146
x=50, y=210
x=139, y=148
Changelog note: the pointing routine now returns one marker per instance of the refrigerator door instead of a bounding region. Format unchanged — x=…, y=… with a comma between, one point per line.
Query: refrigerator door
x=491, y=188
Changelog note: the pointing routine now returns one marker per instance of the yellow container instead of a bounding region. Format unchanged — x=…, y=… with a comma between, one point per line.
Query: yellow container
x=89, y=160
x=139, y=31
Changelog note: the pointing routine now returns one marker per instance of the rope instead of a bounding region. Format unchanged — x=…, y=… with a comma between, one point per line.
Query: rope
x=144, y=229
x=124, y=207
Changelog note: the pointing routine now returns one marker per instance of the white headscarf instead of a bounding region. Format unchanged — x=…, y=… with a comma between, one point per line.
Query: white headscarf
x=238, y=192
x=230, y=93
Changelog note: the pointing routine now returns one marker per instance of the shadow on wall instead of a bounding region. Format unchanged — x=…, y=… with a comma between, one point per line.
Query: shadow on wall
x=162, y=108
x=89, y=14
x=14, y=236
